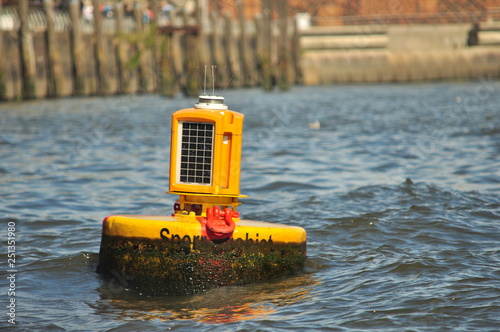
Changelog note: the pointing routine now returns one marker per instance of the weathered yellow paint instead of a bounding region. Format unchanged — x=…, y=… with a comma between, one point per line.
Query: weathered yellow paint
x=150, y=227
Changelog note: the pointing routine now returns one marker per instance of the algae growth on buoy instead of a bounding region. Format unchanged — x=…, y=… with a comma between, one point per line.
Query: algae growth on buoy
x=204, y=243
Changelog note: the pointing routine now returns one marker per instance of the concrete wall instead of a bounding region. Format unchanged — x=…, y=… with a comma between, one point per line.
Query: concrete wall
x=428, y=37
x=398, y=53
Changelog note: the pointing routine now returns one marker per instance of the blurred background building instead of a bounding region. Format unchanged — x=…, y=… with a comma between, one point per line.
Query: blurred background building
x=341, y=12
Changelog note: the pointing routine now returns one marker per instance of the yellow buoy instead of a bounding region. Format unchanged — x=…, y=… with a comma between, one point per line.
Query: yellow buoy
x=203, y=244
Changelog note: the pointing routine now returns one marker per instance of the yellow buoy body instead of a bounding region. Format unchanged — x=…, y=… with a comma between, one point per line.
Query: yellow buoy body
x=178, y=255
x=204, y=244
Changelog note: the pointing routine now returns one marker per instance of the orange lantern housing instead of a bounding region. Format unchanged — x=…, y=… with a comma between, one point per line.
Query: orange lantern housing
x=205, y=156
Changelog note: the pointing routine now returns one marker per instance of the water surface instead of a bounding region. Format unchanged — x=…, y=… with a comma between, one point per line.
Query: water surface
x=398, y=190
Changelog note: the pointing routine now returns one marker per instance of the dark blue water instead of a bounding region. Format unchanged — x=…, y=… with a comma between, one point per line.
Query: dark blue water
x=398, y=190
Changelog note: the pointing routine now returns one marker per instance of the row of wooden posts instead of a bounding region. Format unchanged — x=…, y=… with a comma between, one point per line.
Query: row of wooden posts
x=86, y=58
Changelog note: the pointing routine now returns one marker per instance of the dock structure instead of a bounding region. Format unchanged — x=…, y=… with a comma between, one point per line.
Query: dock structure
x=142, y=48
x=149, y=46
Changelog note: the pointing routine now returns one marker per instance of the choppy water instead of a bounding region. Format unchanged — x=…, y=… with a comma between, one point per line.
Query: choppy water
x=398, y=190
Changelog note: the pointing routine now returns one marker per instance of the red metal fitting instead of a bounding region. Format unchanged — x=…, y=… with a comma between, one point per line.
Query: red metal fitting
x=220, y=222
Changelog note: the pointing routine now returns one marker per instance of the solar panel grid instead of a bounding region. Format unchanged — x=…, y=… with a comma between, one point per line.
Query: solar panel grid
x=196, y=153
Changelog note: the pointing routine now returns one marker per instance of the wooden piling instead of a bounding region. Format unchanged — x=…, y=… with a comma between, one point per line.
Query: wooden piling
x=218, y=59
x=54, y=70
x=121, y=52
x=78, y=59
x=295, y=54
x=101, y=65
x=3, y=74
x=283, y=47
x=205, y=39
x=168, y=85
x=191, y=59
x=167, y=77
x=245, y=64
x=177, y=51
x=231, y=53
x=154, y=56
x=170, y=62
x=264, y=49
x=28, y=65
x=141, y=51
x=3, y=67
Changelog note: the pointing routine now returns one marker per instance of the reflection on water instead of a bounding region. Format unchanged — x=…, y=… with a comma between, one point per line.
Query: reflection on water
x=220, y=305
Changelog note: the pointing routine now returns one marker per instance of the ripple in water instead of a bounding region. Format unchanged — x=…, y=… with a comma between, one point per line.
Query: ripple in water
x=398, y=190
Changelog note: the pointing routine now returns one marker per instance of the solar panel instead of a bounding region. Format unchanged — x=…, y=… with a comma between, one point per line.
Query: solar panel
x=196, y=152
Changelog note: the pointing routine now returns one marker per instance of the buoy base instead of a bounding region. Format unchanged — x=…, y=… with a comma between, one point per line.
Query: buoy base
x=176, y=263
